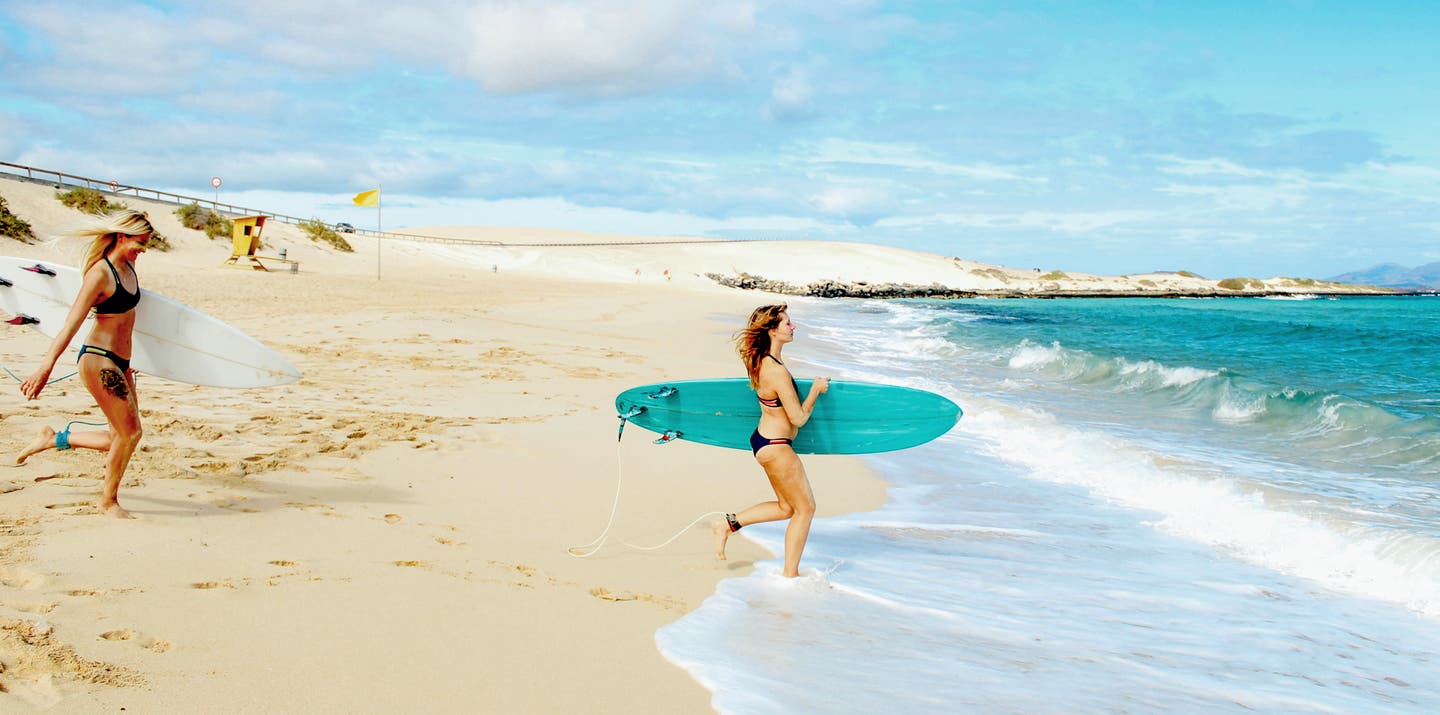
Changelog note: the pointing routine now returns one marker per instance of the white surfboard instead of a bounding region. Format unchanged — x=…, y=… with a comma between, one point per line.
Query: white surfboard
x=172, y=340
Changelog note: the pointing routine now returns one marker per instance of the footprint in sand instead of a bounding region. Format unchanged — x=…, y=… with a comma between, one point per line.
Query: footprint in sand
x=124, y=634
x=605, y=594
x=83, y=592
x=20, y=579
x=74, y=507
x=282, y=562
x=159, y=646
x=211, y=584
x=393, y=518
x=419, y=564
x=41, y=608
x=528, y=571
x=665, y=602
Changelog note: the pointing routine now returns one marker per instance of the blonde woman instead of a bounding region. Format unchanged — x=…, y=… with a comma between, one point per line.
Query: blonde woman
x=782, y=414
x=111, y=290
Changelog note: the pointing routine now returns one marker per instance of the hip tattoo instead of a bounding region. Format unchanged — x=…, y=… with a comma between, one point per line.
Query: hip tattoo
x=114, y=383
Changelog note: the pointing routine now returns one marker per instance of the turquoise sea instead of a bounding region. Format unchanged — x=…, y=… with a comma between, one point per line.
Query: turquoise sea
x=1177, y=506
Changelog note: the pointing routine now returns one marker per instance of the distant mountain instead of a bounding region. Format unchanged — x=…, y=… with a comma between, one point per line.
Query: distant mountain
x=1394, y=275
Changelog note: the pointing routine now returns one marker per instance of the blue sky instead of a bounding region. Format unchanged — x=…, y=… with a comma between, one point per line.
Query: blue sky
x=1259, y=138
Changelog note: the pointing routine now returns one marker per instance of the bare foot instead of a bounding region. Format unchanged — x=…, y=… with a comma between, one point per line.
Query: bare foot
x=44, y=441
x=721, y=529
x=114, y=509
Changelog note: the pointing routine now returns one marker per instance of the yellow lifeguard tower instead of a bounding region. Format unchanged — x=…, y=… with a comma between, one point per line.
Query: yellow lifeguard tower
x=245, y=240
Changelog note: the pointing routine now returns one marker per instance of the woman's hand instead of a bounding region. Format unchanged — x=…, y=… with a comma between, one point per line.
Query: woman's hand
x=820, y=386
x=32, y=385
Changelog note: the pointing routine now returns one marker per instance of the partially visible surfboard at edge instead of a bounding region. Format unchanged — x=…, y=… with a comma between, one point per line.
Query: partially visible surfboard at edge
x=850, y=418
x=172, y=340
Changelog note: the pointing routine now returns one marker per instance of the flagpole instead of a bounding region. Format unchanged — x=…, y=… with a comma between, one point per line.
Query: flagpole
x=380, y=228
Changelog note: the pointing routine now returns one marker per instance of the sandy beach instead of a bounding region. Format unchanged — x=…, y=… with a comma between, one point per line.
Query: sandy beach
x=391, y=531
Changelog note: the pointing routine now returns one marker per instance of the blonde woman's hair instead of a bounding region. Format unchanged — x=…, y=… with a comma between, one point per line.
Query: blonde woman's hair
x=753, y=343
x=105, y=230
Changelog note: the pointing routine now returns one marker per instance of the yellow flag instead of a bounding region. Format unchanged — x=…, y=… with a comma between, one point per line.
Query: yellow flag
x=368, y=198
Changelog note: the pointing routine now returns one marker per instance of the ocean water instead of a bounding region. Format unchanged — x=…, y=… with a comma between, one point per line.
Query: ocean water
x=1178, y=506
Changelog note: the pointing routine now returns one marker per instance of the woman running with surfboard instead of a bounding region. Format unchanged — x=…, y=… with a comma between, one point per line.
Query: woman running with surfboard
x=782, y=414
x=111, y=289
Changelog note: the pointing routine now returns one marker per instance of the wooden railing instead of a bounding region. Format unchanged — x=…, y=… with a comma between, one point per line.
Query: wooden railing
x=60, y=178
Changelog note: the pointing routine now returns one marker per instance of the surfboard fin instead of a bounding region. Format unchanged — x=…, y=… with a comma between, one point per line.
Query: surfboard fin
x=669, y=436
x=626, y=418
x=23, y=320
x=37, y=268
x=5, y=282
x=665, y=391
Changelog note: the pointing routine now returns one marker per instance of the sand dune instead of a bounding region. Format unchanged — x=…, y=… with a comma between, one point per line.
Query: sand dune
x=390, y=532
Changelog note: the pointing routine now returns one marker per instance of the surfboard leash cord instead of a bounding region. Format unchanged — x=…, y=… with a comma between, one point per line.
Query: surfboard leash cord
x=588, y=550
x=50, y=382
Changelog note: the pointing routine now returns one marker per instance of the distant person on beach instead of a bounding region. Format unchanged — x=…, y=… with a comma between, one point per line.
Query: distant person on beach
x=111, y=290
x=782, y=414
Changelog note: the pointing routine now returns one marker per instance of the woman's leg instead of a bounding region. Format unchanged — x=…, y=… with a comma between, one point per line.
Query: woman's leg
x=92, y=439
x=787, y=477
x=114, y=391
x=794, y=501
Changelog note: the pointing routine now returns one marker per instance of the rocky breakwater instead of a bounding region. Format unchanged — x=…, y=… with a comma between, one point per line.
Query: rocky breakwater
x=840, y=289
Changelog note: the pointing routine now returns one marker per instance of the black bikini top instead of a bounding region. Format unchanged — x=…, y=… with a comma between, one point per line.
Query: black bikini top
x=121, y=301
x=776, y=402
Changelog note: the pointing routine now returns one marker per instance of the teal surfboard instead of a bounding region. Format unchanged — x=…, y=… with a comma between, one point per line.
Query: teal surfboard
x=850, y=418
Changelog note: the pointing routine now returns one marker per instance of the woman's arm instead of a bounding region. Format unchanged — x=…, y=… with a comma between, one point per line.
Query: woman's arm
x=797, y=412
x=89, y=295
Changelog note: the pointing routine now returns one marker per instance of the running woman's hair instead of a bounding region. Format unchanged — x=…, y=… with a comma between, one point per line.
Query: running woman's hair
x=105, y=230
x=754, y=341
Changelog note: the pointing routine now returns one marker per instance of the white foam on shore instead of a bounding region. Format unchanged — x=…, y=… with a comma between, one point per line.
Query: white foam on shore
x=1220, y=511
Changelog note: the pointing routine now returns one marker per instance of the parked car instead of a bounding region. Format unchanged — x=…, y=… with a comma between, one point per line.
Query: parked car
x=343, y=227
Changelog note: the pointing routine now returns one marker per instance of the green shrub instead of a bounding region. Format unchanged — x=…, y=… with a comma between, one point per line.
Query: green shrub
x=1186, y=274
x=88, y=200
x=995, y=273
x=13, y=226
x=320, y=233
x=1241, y=283
x=1147, y=282
x=1054, y=276
x=195, y=217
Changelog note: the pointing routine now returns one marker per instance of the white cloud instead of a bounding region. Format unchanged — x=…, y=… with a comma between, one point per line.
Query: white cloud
x=790, y=96
x=1063, y=222
x=1249, y=197
x=853, y=200
x=113, y=50
x=257, y=102
x=1407, y=171
x=1206, y=167
x=839, y=151
x=604, y=45
x=12, y=128
x=509, y=47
